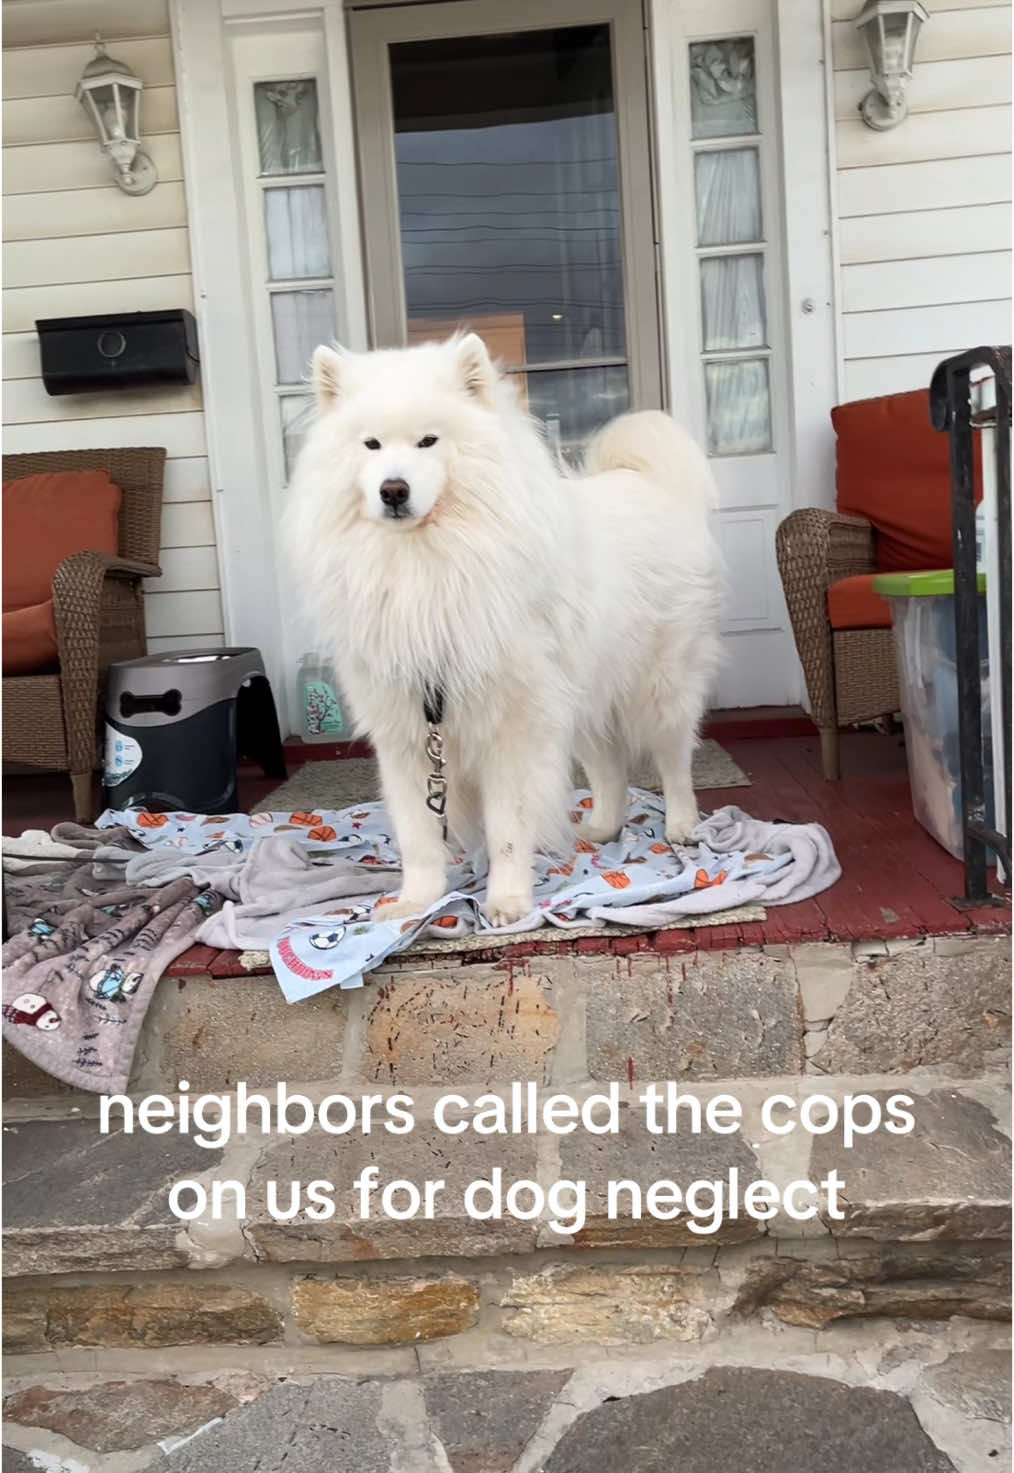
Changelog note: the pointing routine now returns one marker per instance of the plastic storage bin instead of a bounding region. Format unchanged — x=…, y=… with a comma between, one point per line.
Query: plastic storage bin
x=923, y=605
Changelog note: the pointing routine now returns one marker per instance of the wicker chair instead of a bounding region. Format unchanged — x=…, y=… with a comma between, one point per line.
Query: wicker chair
x=51, y=721
x=851, y=674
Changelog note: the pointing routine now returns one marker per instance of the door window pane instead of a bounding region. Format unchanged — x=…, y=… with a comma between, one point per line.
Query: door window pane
x=732, y=301
x=296, y=227
x=723, y=94
x=739, y=407
x=302, y=321
x=508, y=191
x=288, y=132
x=728, y=196
x=297, y=414
x=573, y=403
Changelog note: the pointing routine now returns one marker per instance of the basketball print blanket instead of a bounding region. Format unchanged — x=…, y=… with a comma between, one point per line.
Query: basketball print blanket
x=638, y=879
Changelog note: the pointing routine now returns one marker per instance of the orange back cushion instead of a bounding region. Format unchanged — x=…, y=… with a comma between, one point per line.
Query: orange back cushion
x=894, y=469
x=45, y=519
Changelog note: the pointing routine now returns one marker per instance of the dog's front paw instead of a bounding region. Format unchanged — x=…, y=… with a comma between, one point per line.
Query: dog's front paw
x=597, y=833
x=504, y=910
x=398, y=907
x=680, y=826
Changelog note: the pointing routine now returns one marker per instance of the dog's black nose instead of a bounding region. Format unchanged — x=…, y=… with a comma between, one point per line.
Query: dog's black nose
x=394, y=494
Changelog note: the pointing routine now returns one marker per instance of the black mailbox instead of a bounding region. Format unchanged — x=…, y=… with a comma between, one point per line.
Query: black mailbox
x=126, y=349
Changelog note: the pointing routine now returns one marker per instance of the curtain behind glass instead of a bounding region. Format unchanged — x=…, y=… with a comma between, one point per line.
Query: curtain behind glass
x=728, y=197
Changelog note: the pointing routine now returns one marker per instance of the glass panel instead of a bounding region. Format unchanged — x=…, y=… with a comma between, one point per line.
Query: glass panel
x=894, y=29
x=728, y=196
x=739, y=407
x=732, y=302
x=574, y=402
x=723, y=92
x=508, y=191
x=296, y=227
x=288, y=134
x=302, y=321
x=297, y=416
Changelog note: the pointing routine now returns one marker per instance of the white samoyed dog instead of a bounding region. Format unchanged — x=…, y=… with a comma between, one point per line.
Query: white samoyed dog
x=441, y=549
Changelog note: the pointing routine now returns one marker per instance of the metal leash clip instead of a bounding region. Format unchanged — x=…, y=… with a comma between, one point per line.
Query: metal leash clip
x=436, y=783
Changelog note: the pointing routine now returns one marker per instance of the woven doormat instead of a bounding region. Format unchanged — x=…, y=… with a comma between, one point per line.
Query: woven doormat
x=354, y=780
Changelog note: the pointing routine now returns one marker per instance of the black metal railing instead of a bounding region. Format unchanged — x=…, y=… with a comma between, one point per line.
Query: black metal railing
x=951, y=410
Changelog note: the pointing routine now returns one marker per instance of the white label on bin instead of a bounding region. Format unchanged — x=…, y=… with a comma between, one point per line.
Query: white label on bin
x=123, y=756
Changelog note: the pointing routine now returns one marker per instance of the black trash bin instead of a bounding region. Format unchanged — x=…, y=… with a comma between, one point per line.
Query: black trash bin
x=176, y=725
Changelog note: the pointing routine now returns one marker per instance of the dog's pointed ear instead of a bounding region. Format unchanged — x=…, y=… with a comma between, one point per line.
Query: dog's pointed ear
x=475, y=368
x=326, y=377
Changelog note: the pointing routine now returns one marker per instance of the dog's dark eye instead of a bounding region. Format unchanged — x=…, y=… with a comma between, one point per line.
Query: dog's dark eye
x=426, y=442
x=372, y=444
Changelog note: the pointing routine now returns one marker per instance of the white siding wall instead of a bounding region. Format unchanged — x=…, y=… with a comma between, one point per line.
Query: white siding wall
x=923, y=210
x=75, y=244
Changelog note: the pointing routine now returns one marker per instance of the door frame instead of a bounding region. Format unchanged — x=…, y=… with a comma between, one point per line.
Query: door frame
x=372, y=30
x=255, y=601
x=246, y=537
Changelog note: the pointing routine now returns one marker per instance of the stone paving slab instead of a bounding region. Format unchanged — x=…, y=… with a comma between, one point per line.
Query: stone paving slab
x=335, y=1424
x=484, y=1421
x=116, y=1416
x=77, y=1199
x=950, y=1178
x=886, y=1400
x=643, y=1158
x=754, y=1421
x=424, y=1154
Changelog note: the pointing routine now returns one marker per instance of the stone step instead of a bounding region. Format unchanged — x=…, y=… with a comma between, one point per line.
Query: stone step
x=754, y=1012
x=81, y=1201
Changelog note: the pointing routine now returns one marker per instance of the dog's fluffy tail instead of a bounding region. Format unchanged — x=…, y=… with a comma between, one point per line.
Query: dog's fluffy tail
x=653, y=444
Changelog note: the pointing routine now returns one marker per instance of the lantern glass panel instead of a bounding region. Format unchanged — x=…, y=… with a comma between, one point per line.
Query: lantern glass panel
x=103, y=100
x=130, y=101
x=895, y=34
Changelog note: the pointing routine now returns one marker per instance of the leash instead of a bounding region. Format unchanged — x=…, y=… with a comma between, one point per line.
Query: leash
x=436, y=783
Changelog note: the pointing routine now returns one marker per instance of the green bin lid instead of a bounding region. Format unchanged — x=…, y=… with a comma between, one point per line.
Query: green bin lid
x=936, y=584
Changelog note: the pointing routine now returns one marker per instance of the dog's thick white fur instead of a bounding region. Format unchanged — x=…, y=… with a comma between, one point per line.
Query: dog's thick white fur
x=440, y=547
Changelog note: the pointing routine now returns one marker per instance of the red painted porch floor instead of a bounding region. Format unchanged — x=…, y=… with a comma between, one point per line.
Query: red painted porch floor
x=896, y=881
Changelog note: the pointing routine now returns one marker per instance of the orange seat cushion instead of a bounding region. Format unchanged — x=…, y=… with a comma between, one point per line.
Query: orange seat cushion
x=894, y=469
x=29, y=640
x=45, y=519
x=852, y=604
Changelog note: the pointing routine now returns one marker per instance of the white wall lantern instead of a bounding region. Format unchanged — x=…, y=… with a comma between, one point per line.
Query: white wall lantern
x=111, y=96
x=890, y=29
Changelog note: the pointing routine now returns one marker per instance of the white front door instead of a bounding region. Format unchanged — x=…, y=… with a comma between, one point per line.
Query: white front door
x=722, y=238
